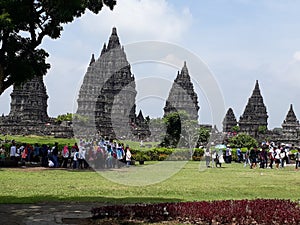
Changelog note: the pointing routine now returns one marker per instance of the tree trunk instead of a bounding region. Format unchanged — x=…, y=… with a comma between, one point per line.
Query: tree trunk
x=1, y=80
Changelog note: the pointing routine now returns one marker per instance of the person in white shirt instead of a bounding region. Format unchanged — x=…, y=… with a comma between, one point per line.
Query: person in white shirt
x=13, y=150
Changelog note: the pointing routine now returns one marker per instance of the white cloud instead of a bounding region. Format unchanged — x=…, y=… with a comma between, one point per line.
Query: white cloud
x=296, y=56
x=140, y=20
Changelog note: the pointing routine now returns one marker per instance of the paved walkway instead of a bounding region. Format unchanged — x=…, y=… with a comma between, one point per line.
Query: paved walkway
x=45, y=213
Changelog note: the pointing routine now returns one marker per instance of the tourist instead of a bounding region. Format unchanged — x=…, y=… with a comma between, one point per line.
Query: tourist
x=75, y=159
x=213, y=158
x=109, y=156
x=297, y=158
x=13, y=150
x=263, y=156
x=44, y=154
x=277, y=157
x=120, y=155
x=220, y=158
x=55, y=155
x=239, y=155
x=253, y=158
x=247, y=159
x=81, y=157
x=228, y=155
x=271, y=157
x=207, y=157
x=128, y=156
x=73, y=151
x=282, y=157
x=36, y=153
x=2, y=153
x=65, y=155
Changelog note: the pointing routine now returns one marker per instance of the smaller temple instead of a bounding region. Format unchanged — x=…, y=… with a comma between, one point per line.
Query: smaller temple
x=255, y=115
x=28, y=112
x=182, y=96
x=141, y=126
x=290, y=126
x=229, y=121
x=29, y=102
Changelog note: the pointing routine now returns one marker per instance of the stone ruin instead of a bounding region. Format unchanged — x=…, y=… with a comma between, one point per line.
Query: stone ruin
x=28, y=112
x=107, y=97
x=254, y=122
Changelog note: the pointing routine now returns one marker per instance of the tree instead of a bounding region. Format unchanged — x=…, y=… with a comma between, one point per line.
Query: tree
x=180, y=130
x=203, y=135
x=172, y=122
x=243, y=140
x=190, y=132
x=262, y=129
x=235, y=129
x=23, y=26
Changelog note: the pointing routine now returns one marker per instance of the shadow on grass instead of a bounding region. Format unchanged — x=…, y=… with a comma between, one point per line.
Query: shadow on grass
x=82, y=199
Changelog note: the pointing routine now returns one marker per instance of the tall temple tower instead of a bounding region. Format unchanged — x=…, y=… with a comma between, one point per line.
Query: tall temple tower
x=290, y=126
x=255, y=114
x=229, y=121
x=107, y=95
x=29, y=102
x=182, y=95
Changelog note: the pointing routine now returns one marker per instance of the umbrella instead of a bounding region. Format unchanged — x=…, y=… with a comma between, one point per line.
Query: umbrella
x=220, y=146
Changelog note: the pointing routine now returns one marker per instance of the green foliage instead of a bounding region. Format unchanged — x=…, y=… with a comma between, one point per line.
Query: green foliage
x=235, y=129
x=243, y=140
x=70, y=117
x=64, y=117
x=23, y=26
x=47, y=140
x=141, y=156
x=173, y=124
x=203, y=135
x=180, y=127
x=262, y=129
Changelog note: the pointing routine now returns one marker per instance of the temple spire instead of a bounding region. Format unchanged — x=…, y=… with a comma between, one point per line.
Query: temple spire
x=184, y=70
x=92, y=59
x=255, y=114
x=182, y=95
x=113, y=40
x=103, y=49
x=229, y=121
x=291, y=116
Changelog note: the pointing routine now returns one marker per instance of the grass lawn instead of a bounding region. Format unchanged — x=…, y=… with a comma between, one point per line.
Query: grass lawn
x=189, y=184
x=32, y=139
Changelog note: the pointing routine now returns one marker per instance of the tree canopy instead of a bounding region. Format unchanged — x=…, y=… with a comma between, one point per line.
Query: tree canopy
x=24, y=24
x=243, y=140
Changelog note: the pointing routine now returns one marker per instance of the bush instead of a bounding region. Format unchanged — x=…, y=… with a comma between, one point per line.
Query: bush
x=259, y=211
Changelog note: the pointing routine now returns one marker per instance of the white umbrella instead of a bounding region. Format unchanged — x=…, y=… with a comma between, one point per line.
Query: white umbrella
x=220, y=146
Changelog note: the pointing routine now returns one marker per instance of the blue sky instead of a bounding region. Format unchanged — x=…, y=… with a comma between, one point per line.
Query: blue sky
x=240, y=41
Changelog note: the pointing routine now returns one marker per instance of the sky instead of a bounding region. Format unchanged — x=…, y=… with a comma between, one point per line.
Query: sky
x=239, y=41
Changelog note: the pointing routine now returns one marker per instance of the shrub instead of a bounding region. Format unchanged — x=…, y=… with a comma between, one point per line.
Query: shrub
x=259, y=211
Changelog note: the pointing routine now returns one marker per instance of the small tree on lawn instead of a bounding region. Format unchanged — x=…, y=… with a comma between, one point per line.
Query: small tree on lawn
x=243, y=140
x=190, y=132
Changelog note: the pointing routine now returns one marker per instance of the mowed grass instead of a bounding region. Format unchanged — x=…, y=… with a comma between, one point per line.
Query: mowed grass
x=189, y=184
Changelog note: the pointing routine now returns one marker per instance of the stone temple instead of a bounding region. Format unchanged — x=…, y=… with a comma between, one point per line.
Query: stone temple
x=28, y=112
x=182, y=96
x=229, y=121
x=107, y=95
x=255, y=114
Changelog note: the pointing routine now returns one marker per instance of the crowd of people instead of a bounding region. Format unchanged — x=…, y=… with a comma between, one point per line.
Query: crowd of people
x=96, y=154
x=271, y=155
x=110, y=154
x=268, y=155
